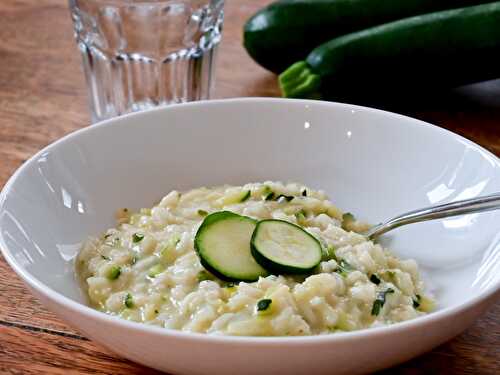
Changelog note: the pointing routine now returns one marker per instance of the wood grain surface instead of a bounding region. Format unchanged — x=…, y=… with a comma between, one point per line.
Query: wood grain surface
x=43, y=97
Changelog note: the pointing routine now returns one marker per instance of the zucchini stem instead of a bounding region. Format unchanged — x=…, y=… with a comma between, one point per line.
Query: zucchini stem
x=299, y=81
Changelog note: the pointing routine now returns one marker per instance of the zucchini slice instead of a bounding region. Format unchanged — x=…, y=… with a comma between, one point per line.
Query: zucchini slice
x=223, y=245
x=283, y=247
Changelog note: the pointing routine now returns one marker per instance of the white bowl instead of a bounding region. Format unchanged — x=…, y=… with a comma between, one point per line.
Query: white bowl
x=373, y=163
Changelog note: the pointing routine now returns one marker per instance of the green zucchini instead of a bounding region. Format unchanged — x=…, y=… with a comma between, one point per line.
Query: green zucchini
x=287, y=30
x=437, y=50
x=223, y=245
x=283, y=247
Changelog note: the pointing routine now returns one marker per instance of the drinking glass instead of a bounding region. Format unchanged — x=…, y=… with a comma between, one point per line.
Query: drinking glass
x=138, y=54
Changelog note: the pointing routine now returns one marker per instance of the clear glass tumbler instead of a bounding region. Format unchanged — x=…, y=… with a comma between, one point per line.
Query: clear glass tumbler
x=138, y=54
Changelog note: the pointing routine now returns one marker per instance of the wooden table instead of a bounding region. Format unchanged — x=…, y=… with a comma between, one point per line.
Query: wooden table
x=43, y=97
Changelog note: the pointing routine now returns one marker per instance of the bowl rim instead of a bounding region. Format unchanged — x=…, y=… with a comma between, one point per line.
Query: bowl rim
x=80, y=308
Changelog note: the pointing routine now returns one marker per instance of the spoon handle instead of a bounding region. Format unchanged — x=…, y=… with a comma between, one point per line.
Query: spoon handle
x=467, y=206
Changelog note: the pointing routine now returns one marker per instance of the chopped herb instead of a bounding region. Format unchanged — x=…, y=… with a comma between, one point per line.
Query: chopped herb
x=129, y=302
x=269, y=196
x=390, y=274
x=348, y=216
x=155, y=270
x=202, y=213
x=165, y=252
x=304, y=193
x=374, y=279
x=300, y=216
x=377, y=305
x=137, y=237
x=347, y=220
x=272, y=196
x=416, y=301
x=288, y=198
x=246, y=196
x=114, y=272
x=380, y=301
x=204, y=275
x=329, y=253
x=157, y=312
x=264, y=304
x=105, y=257
x=106, y=236
x=344, y=268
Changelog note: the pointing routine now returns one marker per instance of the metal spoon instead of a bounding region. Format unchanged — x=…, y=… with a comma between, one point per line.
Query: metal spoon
x=467, y=206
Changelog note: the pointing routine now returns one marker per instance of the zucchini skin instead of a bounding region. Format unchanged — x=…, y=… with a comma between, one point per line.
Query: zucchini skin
x=433, y=51
x=287, y=30
x=278, y=270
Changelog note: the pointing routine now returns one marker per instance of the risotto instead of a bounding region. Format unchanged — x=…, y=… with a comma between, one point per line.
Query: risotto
x=156, y=268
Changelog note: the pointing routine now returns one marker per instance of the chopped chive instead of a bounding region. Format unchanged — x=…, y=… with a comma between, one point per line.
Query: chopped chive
x=391, y=274
x=348, y=216
x=344, y=264
x=264, y=304
x=374, y=279
x=269, y=196
x=288, y=198
x=202, y=213
x=377, y=305
x=106, y=236
x=204, y=275
x=380, y=301
x=137, y=237
x=105, y=257
x=246, y=196
x=416, y=301
x=347, y=220
x=129, y=302
x=301, y=215
x=304, y=193
x=114, y=272
x=344, y=268
x=329, y=253
x=155, y=270
x=157, y=312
